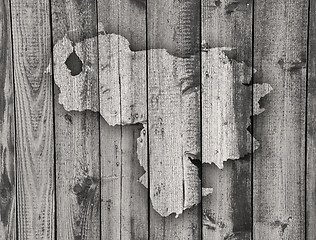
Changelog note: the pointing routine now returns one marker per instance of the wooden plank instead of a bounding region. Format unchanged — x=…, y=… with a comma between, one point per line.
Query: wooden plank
x=7, y=132
x=74, y=26
x=123, y=102
x=134, y=201
x=223, y=217
x=280, y=32
x=111, y=181
x=311, y=126
x=227, y=211
x=77, y=174
x=34, y=119
x=174, y=118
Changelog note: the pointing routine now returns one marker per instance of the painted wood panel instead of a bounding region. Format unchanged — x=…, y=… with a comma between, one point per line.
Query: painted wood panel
x=7, y=129
x=280, y=45
x=31, y=32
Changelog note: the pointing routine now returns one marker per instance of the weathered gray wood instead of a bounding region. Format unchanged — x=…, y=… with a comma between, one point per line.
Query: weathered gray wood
x=77, y=174
x=7, y=133
x=111, y=181
x=75, y=63
x=280, y=31
x=134, y=203
x=227, y=211
x=311, y=127
x=122, y=101
x=174, y=118
x=34, y=119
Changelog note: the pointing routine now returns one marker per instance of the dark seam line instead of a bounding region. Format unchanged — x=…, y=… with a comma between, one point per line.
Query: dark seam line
x=99, y=122
x=54, y=127
x=121, y=127
x=15, y=125
x=306, y=119
x=147, y=130
x=201, y=119
x=252, y=118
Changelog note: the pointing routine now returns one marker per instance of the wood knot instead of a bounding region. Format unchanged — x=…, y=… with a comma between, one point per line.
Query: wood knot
x=74, y=64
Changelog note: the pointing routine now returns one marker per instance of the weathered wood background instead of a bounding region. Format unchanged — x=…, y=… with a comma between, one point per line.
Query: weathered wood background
x=158, y=119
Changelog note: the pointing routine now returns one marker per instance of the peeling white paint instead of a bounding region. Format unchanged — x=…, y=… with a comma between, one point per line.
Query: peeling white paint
x=80, y=92
x=227, y=107
x=122, y=72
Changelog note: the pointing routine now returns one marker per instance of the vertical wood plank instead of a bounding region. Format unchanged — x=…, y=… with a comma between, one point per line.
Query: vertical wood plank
x=110, y=181
x=174, y=118
x=77, y=170
x=227, y=211
x=77, y=133
x=7, y=125
x=124, y=200
x=280, y=32
x=34, y=119
x=311, y=127
x=134, y=203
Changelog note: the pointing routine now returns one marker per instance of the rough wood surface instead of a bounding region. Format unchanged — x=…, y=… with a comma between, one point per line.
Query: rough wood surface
x=311, y=128
x=122, y=81
x=227, y=107
x=227, y=211
x=77, y=174
x=7, y=132
x=77, y=93
x=174, y=180
x=280, y=31
x=173, y=117
x=34, y=119
x=76, y=74
x=134, y=203
x=158, y=105
x=122, y=31
x=77, y=133
x=123, y=99
x=111, y=180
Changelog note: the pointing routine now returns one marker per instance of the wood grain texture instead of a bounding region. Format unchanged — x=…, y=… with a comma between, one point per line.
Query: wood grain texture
x=122, y=81
x=77, y=174
x=311, y=127
x=126, y=18
x=7, y=132
x=174, y=134
x=227, y=211
x=134, y=203
x=76, y=74
x=75, y=63
x=34, y=119
x=173, y=117
x=111, y=180
x=123, y=101
x=280, y=31
x=79, y=90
